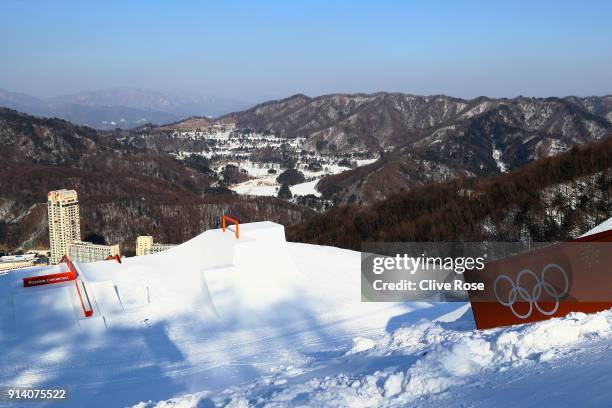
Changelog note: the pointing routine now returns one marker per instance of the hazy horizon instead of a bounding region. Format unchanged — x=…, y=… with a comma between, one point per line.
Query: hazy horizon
x=388, y=91
x=256, y=52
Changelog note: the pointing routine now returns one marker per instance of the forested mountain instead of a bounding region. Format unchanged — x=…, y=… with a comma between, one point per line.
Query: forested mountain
x=487, y=137
x=429, y=138
x=124, y=190
x=384, y=120
x=551, y=199
x=436, y=143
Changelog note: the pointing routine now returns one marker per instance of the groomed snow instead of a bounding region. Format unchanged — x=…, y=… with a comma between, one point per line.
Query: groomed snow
x=443, y=364
x=261, y=322
x=178, y=344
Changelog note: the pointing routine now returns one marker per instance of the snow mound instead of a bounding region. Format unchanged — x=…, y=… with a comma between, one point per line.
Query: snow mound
x=258, y=321
x=203, y=316
x=422, y=361
x=361, y=344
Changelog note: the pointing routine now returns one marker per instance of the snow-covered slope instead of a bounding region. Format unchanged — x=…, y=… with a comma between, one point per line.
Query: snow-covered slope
x=262, y=322
x=171, y=324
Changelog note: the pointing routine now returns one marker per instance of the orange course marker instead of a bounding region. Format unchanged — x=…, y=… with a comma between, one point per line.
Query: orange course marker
x=114, y=258
x=223, y=225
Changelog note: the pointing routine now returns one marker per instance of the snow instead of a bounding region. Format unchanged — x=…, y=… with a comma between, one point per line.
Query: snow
x=264, y=184
x=258, y=321
x=306, y=188
x=431, y=364
x=179, y=321
x=57, y=304
x=361, y=344
x=604, y=226
x=497, y=156
x=268, y=186
x=477, y=110
x=393, y=384
x=230, y=146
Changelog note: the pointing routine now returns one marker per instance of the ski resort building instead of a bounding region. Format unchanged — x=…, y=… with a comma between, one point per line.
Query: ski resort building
x=16, y=261
x=64, y=224
x=65, y=231
x=146, y=246
x=81, y=251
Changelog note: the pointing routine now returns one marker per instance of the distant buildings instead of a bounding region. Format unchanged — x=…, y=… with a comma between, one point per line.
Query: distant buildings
x=145, y=246
x=65, y=231
x=16, y=262
x=87, y=252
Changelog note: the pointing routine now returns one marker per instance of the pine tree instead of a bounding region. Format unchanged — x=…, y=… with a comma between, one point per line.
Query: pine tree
x=285, y=192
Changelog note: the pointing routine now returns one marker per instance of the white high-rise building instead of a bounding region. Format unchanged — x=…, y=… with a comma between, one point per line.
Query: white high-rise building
x=64, y=224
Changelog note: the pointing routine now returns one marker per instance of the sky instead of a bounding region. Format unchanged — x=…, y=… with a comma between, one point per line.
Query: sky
x=259, y=50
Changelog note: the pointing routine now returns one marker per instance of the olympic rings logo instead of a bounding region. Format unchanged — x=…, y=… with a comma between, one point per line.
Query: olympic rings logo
x=516, y=291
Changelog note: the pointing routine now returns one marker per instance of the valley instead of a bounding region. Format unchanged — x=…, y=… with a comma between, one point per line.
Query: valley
x=287, y=160
x=260, y=158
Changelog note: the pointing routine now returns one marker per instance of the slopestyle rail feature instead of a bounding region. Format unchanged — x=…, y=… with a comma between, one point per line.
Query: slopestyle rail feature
x=224, y=221
x=71, y=275
x=54, y=277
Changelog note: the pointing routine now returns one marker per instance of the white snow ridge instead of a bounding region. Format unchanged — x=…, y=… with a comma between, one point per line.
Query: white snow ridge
x=260, y=322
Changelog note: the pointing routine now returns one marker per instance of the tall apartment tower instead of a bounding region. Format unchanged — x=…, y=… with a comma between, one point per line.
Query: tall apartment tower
x=64, y=224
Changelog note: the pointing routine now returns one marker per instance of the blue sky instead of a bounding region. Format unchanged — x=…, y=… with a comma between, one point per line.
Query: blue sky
x=256, y=50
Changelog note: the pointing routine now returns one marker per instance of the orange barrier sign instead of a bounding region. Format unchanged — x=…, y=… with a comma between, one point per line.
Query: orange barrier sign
x=114, y=258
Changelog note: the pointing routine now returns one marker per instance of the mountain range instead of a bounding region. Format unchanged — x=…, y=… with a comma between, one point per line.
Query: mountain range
x=549, y=200
x=121, y=107
x=424, y=139
x=386, y=120
x=123, y=190
x=423, y=142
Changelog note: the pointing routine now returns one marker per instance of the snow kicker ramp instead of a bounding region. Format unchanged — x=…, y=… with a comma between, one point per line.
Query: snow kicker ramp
x=216, y=271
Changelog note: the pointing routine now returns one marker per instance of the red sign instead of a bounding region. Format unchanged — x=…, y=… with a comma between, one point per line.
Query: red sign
x=52, y=278
x=48, y=279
